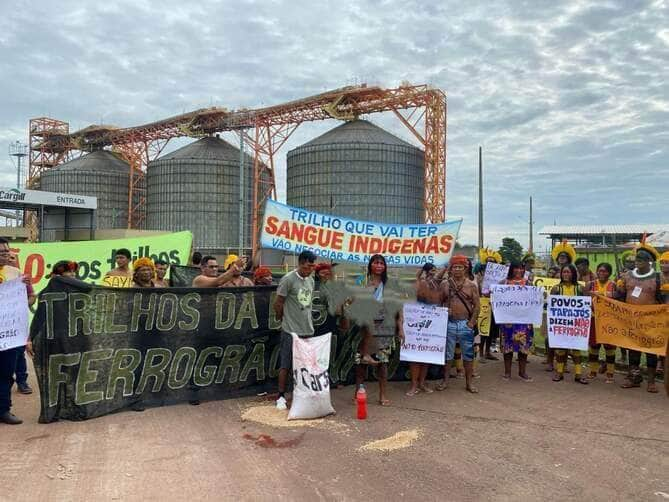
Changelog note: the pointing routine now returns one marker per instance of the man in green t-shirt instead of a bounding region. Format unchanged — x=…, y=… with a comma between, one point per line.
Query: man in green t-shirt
x=293, y=307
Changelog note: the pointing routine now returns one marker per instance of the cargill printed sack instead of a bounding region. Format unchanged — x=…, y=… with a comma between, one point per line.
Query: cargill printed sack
x=311, y=378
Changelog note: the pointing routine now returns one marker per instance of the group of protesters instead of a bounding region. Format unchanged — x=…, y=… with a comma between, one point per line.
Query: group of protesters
x=457, y=287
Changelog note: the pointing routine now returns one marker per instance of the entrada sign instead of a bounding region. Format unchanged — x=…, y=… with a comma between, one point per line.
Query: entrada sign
x=37, y=197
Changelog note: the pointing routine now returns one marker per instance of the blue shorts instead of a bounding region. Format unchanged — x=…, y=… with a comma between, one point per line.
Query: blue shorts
x=459, y=332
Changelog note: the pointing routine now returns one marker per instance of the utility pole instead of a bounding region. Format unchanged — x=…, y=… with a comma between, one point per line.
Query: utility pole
x=480, y=197
x=20, y=151
x=531, y=248
x=242, y=209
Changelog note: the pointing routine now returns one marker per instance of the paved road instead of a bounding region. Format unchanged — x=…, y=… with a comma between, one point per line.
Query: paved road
x=513, y=441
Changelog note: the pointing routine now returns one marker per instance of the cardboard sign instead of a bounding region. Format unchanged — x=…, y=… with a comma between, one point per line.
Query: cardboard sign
x=568, y=320
x=638, y=327
x=424, y=333
x=13, y=314
x=517, y=304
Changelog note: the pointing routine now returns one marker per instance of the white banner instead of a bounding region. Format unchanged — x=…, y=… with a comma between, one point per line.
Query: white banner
x=517, y=304
x=569, y=320
x=32, y=197
x=424, y=333
x=495, y=273
x=13, y=314
x=340, y=239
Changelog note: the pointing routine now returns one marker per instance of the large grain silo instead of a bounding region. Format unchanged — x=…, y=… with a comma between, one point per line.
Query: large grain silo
x=100, y=174
x=196, y=188
x=360, y=171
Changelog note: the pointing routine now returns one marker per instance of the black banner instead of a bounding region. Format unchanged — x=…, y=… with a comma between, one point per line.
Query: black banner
x=101, y=350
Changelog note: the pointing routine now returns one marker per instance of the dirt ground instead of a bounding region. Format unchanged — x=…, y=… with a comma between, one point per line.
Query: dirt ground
x=513, y=441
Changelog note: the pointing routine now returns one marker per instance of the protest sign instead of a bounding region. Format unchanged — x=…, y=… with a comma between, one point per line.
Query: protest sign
x=517, y=304
x=485, y=315
x=117, y=281
x=424, y=333
x=494, y=274
x=568, y=320
x=341, y=239
x=13, y=314
x=95, y=258
x=638, y=327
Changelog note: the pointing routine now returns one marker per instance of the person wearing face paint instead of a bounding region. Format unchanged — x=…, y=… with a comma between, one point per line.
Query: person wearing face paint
x=236, y=264
x=461, y=297
x=602, y=286
x=516, y=337
x=143, y=272
x=262, y=276
x=568, y=287
x=641, y=286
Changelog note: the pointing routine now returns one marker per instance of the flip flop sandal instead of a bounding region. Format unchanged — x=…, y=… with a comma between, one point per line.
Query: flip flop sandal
x=426, y=390
x=411, y=393
x=652, y=388
x=526, y=378
x=581, y=380
x=609, y=379
x=558, y=378
x=550, y=369
x=384, y=402
x=628, y=384
x=506, y=377
x=472, y=390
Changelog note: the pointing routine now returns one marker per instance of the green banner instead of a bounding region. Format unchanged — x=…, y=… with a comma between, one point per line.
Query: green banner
x=95, y=258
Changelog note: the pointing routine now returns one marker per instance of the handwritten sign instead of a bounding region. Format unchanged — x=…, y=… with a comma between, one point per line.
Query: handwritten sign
x=568, y=320
x=485, y=313
x=638, y=327
x=517, y=304
x=13, y=314
x=424, y=333
x=341, y=239
x=494, y=274
x=117, y=281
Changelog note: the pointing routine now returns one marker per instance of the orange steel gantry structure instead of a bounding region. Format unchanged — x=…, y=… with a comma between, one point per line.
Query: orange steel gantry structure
x=421, y=108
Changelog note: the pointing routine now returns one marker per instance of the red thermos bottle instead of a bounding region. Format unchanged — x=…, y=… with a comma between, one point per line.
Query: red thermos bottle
x=361, y=399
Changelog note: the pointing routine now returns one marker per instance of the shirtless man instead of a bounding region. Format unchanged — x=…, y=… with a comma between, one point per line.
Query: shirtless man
x=122, y=258
x=641, y=287
x=209, y=277
x=236, y=265
x=461, y=296
x=161, y=271
x=428, y=290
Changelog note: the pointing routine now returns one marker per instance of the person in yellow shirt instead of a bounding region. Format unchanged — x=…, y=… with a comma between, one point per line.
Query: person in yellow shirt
x=568, y=287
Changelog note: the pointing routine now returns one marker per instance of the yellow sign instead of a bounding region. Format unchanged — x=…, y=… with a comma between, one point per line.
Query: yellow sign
x=546, y=282
x=484, y=317
x=116, y=281
x=638, y=327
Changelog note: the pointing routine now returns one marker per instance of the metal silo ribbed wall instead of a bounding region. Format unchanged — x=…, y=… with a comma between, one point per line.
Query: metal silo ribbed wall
x=201, y=195
x=99, y=174
x=363, y=180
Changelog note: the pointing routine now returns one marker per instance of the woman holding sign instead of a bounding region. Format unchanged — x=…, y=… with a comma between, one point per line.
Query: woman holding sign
x=516, y=337
x=602, y=286
x=568, y=287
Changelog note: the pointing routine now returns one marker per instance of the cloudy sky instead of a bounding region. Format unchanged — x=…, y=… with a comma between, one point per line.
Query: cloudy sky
x=570, y=100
